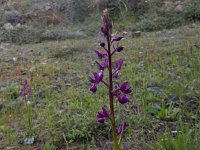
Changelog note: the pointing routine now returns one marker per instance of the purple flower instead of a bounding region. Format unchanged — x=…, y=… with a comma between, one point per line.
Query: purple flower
x=98, y=77
x=125, y=89
x=121, y=128
x=25, y=89
x=102, y=116
x=117, y=39
x=119, y=64
x=100, y=55
x=93, y=88
x=124, y=99
x=119, y=49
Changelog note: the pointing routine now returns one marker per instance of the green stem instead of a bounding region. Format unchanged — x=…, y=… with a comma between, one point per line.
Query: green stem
x=29, y=121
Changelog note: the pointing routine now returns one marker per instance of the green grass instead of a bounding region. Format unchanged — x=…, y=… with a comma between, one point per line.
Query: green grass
x=65, y=117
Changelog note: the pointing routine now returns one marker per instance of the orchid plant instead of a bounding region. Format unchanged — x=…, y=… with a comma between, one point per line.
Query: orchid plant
x=120, y=92
x=26, y=92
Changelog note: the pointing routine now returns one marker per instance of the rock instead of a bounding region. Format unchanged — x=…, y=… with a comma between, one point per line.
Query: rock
x=5, y=46
x=47, y=7
x=155, y=90
x=41, y=94
x=18, y=25
x=136, y=34
x=11, y=148
x=168, y=6
x=177, y=3
x=125, y=32
x=14, y=59
x=41, y=53
x=29, y=140
x=179, y=8
x=1, y=135
x=172, y=99
x=1, y=107
x=8, y=26
x=32, y=69
x=20, y=140
x=12, y=17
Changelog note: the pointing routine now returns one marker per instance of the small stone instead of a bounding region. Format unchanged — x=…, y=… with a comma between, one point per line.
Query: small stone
x=179, y=8
x=136, y=34
x=10, y=148
x=47, y=7
x=1, y=135
x=125, y=33
x=8, y=26
x=20, y=140
x=32, y=69
x=41, y=94
x=41, y=53
x=29, y=140
x=155, y=90
x=172, y=99
x=1, y=107
x=18, y=25
x=68, y=84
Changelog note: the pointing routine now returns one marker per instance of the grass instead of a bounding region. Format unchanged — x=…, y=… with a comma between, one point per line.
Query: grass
x=65, y=116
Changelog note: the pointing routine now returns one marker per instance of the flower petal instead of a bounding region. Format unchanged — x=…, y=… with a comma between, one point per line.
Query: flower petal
x=123, y=86
x=101, y=74
x=119, y=64
x=105, y=113
x=93, y=88
x=92, y=80
x=105, y=63
x=124, y=99
x=121, y=128
x=99, y=54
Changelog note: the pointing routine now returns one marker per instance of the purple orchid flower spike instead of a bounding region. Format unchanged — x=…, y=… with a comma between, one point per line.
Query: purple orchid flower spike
x=117, y=39
x=119, y=64
x=125, y=89
x=114, y=91
x=25, y=89
x=121, y=128
x=102, y=116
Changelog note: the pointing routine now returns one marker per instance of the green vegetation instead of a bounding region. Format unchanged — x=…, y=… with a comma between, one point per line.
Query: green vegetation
x=160, y=65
